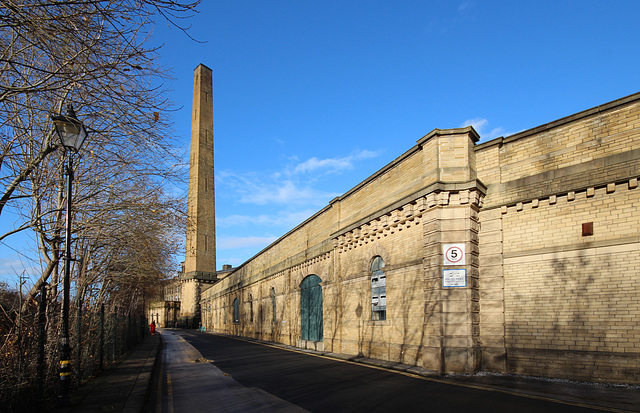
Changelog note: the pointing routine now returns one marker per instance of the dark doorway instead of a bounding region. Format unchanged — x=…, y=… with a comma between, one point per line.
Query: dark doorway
x=311, y=308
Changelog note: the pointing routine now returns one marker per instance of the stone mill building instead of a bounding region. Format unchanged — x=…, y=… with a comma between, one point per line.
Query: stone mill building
x=518, y=255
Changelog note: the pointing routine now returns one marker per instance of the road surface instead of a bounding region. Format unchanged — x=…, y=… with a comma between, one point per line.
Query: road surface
x=210, y=373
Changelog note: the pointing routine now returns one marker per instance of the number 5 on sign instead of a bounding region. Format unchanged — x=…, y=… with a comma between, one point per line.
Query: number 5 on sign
x=454, y=254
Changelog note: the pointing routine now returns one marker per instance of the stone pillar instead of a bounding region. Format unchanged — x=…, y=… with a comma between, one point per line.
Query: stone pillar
x=449, y=155
x=189, y=298
x=451, y=343
x=491, y=285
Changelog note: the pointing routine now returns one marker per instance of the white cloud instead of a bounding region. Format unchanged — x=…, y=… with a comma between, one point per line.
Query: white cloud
x=477, y=123
x=331, y=165
x=293, y=185
x=285, y=197
x=284, y=193
x=314, y=164
x=252, y=188
x=286, y=219
x=274, y=201
x=481, y=125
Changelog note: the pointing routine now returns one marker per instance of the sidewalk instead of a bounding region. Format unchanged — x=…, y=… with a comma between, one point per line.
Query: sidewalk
x=192, y=383
x=123, y=387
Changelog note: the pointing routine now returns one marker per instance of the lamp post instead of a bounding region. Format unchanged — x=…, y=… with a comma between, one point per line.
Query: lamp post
x=72, y=135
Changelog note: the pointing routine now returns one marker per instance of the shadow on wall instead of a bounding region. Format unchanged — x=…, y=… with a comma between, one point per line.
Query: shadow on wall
x=576, y=324
x=400, y=337
x=260, y=320
x=334, y=305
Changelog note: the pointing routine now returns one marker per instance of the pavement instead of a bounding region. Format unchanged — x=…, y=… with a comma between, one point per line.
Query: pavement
x=191, y=383
x=135, y=384
x=123, y=387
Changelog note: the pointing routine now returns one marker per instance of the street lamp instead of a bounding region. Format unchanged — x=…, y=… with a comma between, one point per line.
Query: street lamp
x=70, y=130
x=72, y=135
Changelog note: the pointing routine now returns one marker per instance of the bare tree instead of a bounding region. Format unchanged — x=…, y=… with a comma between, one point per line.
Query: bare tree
x=96, y=56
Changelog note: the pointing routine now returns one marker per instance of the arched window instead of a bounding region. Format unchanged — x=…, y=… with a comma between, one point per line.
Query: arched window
x=250, y=308
x=273, y=304
x=378, y=290
x=236, y=311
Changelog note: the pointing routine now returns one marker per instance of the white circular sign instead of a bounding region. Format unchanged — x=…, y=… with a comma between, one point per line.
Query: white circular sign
x=454, y=254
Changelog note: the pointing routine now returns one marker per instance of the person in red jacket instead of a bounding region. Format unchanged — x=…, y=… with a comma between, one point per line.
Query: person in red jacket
x=153, y=327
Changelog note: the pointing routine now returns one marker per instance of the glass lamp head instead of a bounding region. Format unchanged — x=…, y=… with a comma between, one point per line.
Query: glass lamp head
x=71, y=131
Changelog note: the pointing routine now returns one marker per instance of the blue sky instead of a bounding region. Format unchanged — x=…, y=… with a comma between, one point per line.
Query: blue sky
x=311, y=97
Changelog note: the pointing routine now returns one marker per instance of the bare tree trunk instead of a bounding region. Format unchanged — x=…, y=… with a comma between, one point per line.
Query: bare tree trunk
x=38, y=285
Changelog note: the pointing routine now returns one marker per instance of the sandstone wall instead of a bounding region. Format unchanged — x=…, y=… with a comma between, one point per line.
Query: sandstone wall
x=567, y=299
x=544, y=295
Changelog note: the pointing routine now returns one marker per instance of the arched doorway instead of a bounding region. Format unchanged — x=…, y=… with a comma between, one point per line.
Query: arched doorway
x=311, y=308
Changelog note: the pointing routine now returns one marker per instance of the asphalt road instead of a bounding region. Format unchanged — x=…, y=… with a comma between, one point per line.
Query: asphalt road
x=320, y=384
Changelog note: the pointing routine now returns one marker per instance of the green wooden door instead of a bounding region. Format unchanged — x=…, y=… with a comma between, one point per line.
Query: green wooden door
x=311, y=308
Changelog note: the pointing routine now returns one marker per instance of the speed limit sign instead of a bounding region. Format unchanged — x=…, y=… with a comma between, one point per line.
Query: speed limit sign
x=454, y=254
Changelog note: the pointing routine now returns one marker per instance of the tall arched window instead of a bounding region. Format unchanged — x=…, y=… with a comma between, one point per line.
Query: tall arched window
x=378, y=290
x=236, y=311
x=273, y=304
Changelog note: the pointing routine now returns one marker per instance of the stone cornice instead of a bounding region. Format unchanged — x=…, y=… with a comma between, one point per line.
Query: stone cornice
x=456, y=131
x=199, y=276
x=402, y=204
x=312, y=261
x=518, y=205
x=387, y=222
x=262, y=275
